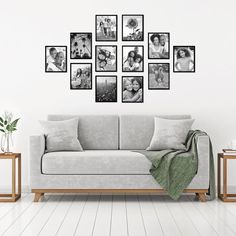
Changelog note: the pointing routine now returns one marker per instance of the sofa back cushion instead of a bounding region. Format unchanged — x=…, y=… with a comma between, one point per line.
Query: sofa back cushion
x=95, y=132
x=136, y=131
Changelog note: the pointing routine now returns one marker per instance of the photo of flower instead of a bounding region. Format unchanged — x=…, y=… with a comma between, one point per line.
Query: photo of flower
x=132, y=27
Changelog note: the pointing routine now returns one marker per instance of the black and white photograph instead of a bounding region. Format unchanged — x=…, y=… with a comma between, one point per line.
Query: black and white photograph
x=55, y=58
x=132, y=89
x=159, y=76
x=106, y=27
x=132, y=59
x=80, y=45
x=184, y=59
x=158, y=45
x=132, y=27
x=81, y=76
x=106, y=58
x=106, y=88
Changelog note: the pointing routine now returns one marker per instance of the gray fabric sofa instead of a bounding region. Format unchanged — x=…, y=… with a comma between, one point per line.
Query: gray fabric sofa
x=108, y=163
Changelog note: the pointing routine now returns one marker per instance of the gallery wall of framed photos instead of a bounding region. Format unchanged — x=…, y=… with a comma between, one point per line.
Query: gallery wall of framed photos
x=103, y=51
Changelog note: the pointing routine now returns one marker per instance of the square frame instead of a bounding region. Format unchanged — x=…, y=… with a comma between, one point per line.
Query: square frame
x=91, y=76
x=55, y=46
x=142, y=27
x=105, y=71
x=168, y=76
x=168, y=46
x=96, y=39
x=124, y=46
x=115, y=76
x=122, y=88
x=91, y=45
x=194, y=58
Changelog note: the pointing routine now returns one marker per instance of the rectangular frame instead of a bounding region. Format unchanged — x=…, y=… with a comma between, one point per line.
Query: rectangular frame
x=91, y=45
x=84, y=63
x=96, y=88
x=168, y=46
x=123, y=88
x=115, y=40
x=123, y=46
x=13, y=197
x=168, y=77
x=46, y=59
x=142, y=27
x=105, y=71
x=193, y=58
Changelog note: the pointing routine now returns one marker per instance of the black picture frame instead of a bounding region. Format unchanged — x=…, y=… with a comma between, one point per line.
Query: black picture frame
x=149, y=83
x=122, y=63
x=91, y=43
x=96, y=33
x=133, y=15
x=97, y=99
x=46, y=56
x=148, y=42
x=122, y=90
x=91, y=76
x=96, y=58
x=192, y=48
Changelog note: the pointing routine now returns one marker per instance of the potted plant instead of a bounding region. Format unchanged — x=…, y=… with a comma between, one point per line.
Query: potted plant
x=7, y=127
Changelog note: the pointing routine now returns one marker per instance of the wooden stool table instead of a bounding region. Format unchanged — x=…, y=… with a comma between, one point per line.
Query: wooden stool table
x=13, y=196
x=225, y=196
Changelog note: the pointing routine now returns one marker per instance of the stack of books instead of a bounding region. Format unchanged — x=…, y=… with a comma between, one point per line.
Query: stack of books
x=229, y=152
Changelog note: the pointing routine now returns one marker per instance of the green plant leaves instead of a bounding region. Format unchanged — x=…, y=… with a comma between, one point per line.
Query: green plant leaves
x=1, y=120
x=6, y=126
x=2, y=130
x=14, y=123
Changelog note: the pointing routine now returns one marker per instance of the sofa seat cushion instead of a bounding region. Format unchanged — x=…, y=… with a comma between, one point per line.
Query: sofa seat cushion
x=95, y=162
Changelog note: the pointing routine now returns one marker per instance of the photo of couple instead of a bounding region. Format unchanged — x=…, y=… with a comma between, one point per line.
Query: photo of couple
x=106, y=27
x=184, y=58
x=132, y=89
x=159, y=76
x=132, y=27
x=81, y=76
x=158, y=46
x=132, y=59
x=55, y=59
x=80, y=45
x=106, y=58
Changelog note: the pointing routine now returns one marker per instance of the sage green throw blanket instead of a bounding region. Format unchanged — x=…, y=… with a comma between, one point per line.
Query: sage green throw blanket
x=175, y=169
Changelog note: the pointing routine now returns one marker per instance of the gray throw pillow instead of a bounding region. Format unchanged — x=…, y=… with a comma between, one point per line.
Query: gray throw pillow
x=61, y=135
x=170, y=134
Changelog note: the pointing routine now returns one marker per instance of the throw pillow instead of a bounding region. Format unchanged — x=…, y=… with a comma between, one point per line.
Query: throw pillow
x=61, y=135
x=170, y=134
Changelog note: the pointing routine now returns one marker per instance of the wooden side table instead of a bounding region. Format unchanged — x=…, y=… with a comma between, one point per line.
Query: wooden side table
x=225, y=196
x=13, y=196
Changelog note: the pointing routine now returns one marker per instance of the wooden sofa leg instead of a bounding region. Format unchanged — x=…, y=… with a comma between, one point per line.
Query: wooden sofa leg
x=37, y=196
x=201, y=197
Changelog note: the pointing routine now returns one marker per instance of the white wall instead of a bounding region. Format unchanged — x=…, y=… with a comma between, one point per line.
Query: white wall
x=26, y=26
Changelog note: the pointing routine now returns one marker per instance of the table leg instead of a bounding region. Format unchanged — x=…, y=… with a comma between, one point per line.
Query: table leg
x=13, y=177
x=224, y=178
x=19, y=175
x=219, y=175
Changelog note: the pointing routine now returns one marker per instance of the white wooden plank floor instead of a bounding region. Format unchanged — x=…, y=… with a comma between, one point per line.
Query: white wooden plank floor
x=117, y=215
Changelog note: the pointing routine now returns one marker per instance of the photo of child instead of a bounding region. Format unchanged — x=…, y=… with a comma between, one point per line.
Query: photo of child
x=132, y=89
x=106, y=27
x=159, y=76
x=158, y=45
x=81, y=76
x=106, y=58
x=55, y=59
x=81, y=45
x=184, y=58
x=132, y=59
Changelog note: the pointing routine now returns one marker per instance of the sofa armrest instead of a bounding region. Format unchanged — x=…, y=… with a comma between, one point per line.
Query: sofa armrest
x=203, y=148
x=37, y=149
